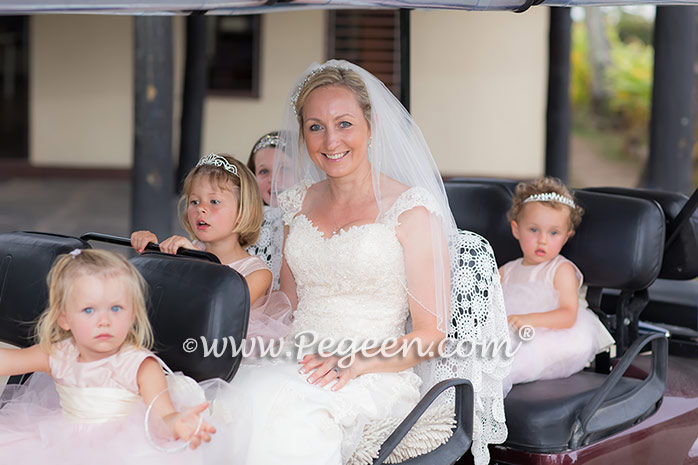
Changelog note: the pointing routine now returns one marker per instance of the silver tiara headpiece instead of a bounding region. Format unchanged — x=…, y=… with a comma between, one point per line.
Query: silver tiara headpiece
x=217, y=160
x=551, y=197
x=301, y=85
x=266, y=141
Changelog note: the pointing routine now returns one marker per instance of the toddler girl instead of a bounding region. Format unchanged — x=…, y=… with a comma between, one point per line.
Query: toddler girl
x=542, y=289
x=93, y=341
x=222, y=211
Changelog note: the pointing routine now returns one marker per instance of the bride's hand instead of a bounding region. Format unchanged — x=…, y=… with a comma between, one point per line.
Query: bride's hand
x=324, y=370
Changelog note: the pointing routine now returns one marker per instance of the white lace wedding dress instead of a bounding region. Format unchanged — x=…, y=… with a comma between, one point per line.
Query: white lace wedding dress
x=350, y=285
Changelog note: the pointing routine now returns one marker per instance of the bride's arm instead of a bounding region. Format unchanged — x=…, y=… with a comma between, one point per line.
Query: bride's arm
x=415, y=235
x=287, y=283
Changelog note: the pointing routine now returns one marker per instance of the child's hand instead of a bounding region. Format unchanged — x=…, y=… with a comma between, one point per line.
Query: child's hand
x=174, y=243
x=140, y=239
x=184, y=424
x=517, y=321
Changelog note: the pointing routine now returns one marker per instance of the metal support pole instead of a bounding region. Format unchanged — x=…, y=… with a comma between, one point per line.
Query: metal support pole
x=405, y=57
x=193, y=96
x=558, y=119
x=153, y=174
x=670, y=166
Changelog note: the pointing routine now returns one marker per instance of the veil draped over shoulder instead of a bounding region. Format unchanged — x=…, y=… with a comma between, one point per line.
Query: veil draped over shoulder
x=469, y=312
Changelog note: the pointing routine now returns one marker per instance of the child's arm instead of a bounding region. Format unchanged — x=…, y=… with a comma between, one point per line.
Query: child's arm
x=258, y=283
x=151, y=382
x=140, y=239
x=565, y=315
x=21, y=361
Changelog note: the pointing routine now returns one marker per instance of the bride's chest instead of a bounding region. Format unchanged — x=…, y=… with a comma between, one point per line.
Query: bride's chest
x=359, y=253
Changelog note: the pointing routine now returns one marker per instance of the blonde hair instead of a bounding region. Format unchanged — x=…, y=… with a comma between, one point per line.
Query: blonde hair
x=101, y=264
x=332, y=76
x=243, y=186
x=542, y=186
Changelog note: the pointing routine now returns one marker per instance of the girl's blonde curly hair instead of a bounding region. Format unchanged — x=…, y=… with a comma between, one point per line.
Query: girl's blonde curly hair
x=543, y=186
x=101, y=264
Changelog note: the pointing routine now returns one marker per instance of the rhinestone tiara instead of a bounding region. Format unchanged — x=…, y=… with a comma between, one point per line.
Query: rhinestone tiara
x=551, y=197
x=266, y=141
x=301, y=85
x=217, y=160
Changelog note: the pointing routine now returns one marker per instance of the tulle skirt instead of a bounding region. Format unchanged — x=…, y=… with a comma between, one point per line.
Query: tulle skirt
x=551, y=353
x=33, y=430
x=291, y=422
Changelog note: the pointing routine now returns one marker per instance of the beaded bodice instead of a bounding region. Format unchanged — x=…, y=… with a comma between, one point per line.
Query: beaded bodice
x=352, y=284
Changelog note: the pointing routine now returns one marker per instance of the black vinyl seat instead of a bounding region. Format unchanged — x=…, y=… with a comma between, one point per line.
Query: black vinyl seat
x=192, y=299
x=187, y=298
x=25, y=260
x=618, y=245
x=671, y=298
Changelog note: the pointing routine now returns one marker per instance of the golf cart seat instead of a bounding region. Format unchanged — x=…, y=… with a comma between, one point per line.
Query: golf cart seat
x=672, y=297
x=619, y=246
x=188, y=298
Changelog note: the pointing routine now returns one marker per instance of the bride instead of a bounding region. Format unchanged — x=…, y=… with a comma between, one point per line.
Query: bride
x=368, y=245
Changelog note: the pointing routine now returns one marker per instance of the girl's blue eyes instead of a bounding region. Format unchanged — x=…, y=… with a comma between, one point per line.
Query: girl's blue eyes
x=263, y=172
x=114, y=308
x=194, y=203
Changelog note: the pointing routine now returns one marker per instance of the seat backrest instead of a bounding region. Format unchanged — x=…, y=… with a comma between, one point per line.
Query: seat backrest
x=681, y=257
x=619, y=244
x=25, y=260
x=194, y=304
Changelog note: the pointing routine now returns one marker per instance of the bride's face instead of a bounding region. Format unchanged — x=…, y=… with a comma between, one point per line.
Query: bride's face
x=335, y=131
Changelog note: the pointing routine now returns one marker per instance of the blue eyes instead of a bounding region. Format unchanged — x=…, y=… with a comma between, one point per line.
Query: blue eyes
x=263, y=172
x=194, y=203
x=534, y=229
x=114, y=308
x=318, y=127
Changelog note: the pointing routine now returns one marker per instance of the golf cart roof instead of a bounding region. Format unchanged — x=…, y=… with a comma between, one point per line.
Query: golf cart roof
x=263, y=6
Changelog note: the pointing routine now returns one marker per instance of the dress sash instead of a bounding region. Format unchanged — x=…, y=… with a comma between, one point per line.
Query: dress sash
x=95, y=404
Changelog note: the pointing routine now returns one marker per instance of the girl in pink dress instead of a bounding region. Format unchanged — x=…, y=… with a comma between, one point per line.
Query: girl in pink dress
x=95, y=378
x=222, y=210
x=542, y=289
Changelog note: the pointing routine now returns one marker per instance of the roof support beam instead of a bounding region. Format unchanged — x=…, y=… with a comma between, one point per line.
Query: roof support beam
x=153, y=174
x=557, y=137
x=670, y=165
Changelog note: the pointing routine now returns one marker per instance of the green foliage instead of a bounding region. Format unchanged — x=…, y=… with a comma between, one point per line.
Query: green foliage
x=635, y=28
x=630, y=85
x=580, y=74
x=630, y=78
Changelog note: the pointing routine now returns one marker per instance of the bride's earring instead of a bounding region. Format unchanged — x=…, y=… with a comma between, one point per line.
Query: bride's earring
x=369, y=149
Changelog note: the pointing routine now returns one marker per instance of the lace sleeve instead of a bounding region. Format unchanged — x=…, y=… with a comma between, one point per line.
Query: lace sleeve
x=411, y=198
x=291, y=201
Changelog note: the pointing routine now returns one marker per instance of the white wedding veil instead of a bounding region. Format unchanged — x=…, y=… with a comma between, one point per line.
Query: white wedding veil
x=398, y=151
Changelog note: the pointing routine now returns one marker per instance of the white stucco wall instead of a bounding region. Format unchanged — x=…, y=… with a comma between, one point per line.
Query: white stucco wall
x=478, y=88
x=81, y=91
x=290, y=43
x=81, y=88
x=479, y=84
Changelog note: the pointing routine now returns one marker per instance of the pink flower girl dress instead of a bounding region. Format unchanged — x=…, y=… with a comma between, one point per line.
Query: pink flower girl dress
x=91, y=412
x=551, y=353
